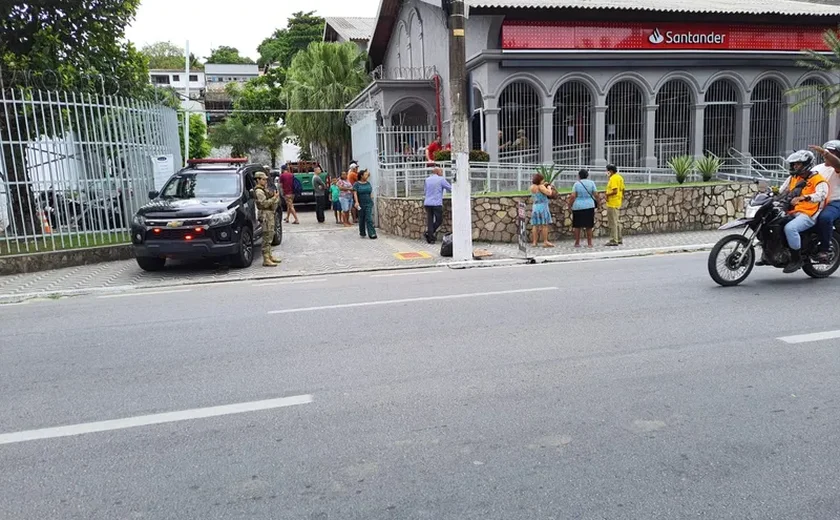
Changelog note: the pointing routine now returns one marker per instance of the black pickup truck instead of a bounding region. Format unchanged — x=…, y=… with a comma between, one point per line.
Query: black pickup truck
x=205, y=210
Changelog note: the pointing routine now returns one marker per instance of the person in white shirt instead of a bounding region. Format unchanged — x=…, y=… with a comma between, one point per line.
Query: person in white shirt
x=831, y=212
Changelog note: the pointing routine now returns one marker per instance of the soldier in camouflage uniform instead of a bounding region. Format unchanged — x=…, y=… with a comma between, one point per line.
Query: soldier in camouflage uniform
x=267, y=206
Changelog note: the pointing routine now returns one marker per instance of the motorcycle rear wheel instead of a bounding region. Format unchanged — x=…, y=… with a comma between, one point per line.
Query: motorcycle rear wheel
x=825, y=270
x=722, y=267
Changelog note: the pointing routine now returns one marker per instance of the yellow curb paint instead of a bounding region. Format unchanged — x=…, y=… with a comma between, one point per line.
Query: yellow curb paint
x=412, y=255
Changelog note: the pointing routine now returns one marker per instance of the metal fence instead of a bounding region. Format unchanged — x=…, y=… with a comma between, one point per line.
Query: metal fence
x=74, y=168
x=407, y=179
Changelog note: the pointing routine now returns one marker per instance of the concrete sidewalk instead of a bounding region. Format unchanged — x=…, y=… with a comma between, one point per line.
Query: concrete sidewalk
x=312, y=249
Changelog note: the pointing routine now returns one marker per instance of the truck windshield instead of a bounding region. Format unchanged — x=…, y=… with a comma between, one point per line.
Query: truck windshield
x=193, y=185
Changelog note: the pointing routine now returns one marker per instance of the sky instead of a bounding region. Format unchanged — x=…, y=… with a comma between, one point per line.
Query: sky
x=242, y=24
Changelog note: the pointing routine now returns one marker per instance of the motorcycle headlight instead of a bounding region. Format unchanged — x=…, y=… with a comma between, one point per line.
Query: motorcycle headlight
x=140, y=220
x=225, y=217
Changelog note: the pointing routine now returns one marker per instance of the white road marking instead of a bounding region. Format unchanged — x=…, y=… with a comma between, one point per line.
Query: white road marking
x=807, y=338
x=146, y=420
x=412, y=273
x=597, y=260
x=124, y=295
x=411, y=300
x=291, y=282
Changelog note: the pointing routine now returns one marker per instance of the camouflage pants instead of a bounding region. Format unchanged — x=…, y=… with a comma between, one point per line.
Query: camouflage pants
x=267, y=220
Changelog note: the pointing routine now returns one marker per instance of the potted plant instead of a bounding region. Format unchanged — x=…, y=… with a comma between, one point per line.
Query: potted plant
x=682, y=167
x=549, y=173
x=708, y=166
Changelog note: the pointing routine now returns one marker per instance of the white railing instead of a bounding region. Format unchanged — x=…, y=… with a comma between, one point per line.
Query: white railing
x=74, y=168
x=408, y=179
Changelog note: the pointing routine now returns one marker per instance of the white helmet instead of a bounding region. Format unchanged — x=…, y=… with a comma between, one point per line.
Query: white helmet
x=801, y=162
x=833, y=146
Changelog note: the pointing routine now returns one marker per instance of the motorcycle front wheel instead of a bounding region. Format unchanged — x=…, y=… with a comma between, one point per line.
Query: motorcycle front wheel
x=724, y=267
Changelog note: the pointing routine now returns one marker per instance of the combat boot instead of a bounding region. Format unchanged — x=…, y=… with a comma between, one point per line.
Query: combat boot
x=268, y=262
x=275, y=259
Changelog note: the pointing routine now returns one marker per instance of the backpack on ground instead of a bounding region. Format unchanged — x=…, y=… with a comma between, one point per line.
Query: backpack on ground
x=446, y=246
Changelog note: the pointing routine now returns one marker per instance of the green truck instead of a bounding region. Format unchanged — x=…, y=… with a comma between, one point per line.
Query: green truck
x=303, y=171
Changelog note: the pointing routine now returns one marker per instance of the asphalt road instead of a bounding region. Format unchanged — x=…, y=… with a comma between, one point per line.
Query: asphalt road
x=631, y=388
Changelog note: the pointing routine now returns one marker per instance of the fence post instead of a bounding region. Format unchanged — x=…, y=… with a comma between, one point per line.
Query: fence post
x=519, y=177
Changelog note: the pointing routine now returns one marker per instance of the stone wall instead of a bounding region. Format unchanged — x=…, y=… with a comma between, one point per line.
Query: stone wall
x=660, y=210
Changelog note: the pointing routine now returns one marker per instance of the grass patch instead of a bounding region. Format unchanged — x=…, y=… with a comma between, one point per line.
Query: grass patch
x=62, y=243
x=628, y=187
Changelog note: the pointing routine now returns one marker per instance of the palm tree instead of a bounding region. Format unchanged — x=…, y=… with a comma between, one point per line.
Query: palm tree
x=827, y=95
x=272, y=140
x=240, y=136
x=325, y=76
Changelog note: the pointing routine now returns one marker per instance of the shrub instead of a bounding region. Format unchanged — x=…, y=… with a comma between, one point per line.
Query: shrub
x=475, y=156
x=708, y=166
x=682, y=167
x=549, y=173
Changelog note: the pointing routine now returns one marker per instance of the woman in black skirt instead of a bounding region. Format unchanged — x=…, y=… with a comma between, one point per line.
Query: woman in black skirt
x=584, y=200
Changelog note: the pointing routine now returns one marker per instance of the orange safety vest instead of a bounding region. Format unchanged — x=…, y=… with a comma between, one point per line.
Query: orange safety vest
x=808, y=208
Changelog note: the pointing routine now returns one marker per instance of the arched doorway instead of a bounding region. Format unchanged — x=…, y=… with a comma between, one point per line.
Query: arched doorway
x=767, y=119
x=477, y=137
x=519, y=124
x=674, y=121
x=625, y=124
x=720, y=118
x=573, y=124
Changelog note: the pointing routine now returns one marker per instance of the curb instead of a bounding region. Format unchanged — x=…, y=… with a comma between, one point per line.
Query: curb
x=629, y=253
x=469, y=264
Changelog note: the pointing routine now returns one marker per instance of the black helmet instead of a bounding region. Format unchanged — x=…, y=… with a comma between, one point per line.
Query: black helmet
x=801, y=163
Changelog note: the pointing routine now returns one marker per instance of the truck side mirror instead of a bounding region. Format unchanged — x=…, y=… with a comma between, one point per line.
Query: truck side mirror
x=153, y=194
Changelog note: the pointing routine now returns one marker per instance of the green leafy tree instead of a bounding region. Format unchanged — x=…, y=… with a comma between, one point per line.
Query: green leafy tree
x=281, y=47
x=264, y=93
x=62, y=45
x=199, y=144
x=325, y=76
x=272, y=140
x=242, y=137
x=167, y=55
x=826, y=95
x=228, y=55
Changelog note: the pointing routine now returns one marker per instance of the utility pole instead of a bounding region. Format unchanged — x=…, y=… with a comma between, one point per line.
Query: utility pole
x=459, y=120
x=187, y=102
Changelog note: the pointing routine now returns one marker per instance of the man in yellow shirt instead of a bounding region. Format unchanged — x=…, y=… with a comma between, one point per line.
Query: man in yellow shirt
x=615, y=196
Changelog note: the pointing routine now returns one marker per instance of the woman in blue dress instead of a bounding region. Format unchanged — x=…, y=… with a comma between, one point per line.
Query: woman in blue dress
x=584, y=201
x=540, y=213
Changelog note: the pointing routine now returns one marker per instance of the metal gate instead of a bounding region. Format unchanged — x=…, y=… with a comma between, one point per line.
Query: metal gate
x=365, y=150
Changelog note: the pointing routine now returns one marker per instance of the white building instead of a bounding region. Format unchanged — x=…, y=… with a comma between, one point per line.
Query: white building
x=227, y=73
x=177, y=80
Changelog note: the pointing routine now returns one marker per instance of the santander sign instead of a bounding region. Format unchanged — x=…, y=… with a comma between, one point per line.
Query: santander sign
x=672, y=37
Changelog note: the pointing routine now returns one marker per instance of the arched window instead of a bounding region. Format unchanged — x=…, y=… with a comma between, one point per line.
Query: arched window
x=810, y=121
x=573, y=124
x=767, y=119
x=519, y=124
x=416, y=34
x=674, y=121
x=720, y=118
x=625, y=128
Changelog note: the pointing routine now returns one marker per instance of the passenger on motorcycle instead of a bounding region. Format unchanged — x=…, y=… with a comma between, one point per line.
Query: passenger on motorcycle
x=806, y=203
x=831, y=212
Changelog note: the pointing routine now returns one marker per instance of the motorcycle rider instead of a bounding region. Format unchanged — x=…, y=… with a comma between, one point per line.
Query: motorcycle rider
x=806, y=203
x=831, y=212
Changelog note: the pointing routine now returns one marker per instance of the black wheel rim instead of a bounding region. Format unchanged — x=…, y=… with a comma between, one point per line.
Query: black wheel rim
x=247, y=247
x=727, y=264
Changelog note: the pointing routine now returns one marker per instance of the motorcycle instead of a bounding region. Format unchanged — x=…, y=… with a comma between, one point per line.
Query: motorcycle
x=764, y=222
